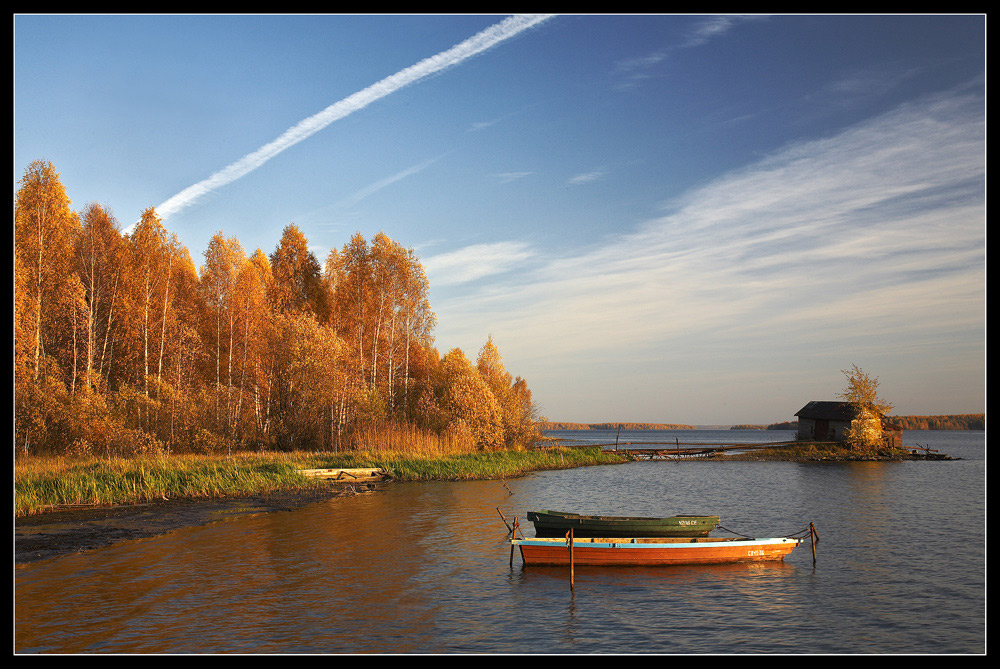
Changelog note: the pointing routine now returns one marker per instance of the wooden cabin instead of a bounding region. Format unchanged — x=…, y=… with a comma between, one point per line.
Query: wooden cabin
x=830, y=421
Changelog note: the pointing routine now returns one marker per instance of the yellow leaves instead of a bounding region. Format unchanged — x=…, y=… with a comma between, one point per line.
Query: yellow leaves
x=223, y=259
x=379, y=303
x=489, y=364
x=44, y=230
x=308, y=377
x=496, y=412
x=865, y=430
x=123, y=346
x=296, y=284
x=42, y=209
x=862, y=392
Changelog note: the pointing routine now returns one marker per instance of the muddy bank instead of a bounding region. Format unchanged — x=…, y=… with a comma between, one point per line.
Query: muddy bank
x=76, y=529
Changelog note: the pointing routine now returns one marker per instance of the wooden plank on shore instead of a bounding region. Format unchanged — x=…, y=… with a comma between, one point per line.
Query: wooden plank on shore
x=346, y=475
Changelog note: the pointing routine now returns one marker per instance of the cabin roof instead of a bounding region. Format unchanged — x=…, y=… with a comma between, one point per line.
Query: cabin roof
x=828, y=411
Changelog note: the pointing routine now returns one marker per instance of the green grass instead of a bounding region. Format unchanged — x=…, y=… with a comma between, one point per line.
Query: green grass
x=489, y=465
x=40, y=483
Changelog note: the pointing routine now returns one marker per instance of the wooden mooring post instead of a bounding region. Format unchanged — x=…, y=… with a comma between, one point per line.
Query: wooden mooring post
x=569, y=541
x=814, y=536
x=510, y=532
x=513, y=535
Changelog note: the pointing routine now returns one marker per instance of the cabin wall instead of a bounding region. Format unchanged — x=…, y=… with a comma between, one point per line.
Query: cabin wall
x=892, y=438
x=836, y=430
x=807, y=429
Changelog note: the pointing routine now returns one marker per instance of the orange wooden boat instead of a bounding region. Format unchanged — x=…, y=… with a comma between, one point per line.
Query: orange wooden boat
x=652, y=551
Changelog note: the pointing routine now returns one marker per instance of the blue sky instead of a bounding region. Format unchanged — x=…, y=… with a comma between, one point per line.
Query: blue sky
x=662, y=218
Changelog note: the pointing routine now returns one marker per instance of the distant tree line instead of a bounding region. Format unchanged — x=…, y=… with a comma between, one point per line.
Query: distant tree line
x=124, y=346
x=967, y=421
x=552, y=425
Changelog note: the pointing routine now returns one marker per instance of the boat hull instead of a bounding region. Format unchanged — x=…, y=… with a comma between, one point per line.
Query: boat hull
x=557, y=524
x=650, y=552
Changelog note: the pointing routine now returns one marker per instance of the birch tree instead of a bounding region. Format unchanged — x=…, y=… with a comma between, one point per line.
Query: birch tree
x=223, y=260
x=45, y=229
x=151, y=267
x=100, y=258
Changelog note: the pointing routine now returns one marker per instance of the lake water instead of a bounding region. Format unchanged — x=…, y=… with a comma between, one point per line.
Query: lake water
x=425, y=568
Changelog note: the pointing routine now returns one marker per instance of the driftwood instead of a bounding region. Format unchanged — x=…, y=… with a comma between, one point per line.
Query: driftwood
x=349, y=475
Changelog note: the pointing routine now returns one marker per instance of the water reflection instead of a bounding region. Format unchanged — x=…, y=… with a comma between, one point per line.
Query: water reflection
x=725, y=575
x=424, y=568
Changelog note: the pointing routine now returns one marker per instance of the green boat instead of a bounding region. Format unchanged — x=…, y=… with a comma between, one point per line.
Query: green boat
x=557, y=524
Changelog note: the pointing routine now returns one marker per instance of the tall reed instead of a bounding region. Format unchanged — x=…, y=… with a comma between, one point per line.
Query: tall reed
x=43, y=482
x=398, y=437
x=40, y=482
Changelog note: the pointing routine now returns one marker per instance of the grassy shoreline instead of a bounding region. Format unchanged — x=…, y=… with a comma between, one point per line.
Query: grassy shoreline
x=41, y=483
x=44, y=483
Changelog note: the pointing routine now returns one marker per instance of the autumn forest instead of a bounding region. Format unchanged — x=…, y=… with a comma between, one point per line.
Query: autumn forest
x=124, y=346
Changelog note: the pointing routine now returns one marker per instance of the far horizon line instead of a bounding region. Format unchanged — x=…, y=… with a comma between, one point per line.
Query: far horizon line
x=700, y=426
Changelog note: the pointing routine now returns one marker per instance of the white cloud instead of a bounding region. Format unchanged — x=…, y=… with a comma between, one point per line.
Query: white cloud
x=388, y=181
x=871, y=238
x=587, y=177
x=475, y=262
x=633, y=70
x=507, y=177
x=713, y=27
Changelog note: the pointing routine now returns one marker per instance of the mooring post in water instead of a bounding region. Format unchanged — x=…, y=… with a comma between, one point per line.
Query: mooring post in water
x=569, y=541
x=513, y=535
x=509, y=530
x=815, y=537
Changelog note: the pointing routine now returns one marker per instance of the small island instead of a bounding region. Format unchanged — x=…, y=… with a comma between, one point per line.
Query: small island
x=858, y=426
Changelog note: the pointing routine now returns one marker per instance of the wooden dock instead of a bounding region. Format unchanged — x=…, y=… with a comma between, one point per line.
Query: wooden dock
x=640, y=450
x=648, y=450
x=652, y=450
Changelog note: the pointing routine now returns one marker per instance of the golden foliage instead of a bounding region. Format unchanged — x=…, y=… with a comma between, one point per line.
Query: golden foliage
x=865, y=431
x=124, y=348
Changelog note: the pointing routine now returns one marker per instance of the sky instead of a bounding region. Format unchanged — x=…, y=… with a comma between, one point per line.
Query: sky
x=697, y=219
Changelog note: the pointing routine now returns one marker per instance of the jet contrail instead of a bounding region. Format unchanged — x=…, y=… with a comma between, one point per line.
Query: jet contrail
x=476, y=44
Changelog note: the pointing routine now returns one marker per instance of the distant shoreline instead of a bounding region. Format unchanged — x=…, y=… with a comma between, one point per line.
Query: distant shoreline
x=551, y=425
x=965, y=421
